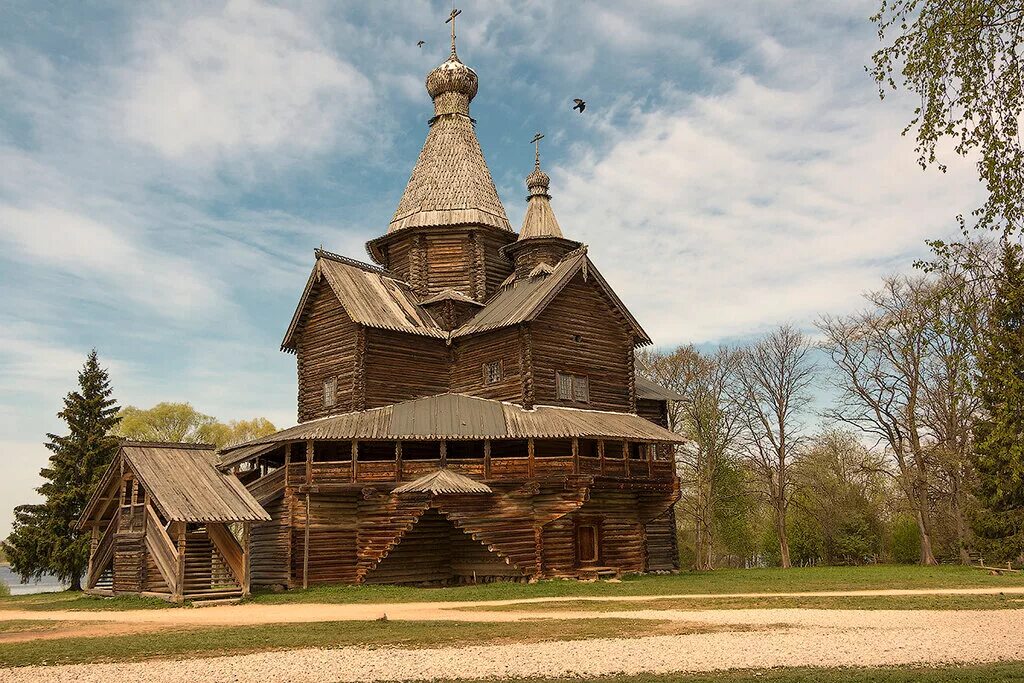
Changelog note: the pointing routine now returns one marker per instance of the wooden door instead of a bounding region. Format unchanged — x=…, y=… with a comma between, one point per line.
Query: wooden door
x=586, y=544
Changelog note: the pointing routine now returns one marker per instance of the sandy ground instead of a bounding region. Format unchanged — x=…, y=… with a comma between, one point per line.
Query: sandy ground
x=739, y=638
x=798, y=638
x=250, y=614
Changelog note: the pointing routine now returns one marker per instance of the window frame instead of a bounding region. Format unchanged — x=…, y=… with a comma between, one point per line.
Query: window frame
x=485, y=371
x=330, y=397
x=576, y=387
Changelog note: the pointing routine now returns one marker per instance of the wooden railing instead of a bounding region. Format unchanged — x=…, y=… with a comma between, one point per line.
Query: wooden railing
x=265, y=488
x=104, y=551
x=228, y=547
x=162, y=549
x=342, y=472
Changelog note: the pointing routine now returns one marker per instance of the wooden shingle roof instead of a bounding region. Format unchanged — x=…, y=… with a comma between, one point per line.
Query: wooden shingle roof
x=450, y=183
x=524, y=299
x=369, y=295
x=458, y=416
x=185, y=484
x=645, y=388
x=443, y=481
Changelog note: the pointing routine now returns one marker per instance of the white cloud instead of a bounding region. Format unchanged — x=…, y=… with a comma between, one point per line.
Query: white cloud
x=105, y=262
x=250, y=78
x=738, y=211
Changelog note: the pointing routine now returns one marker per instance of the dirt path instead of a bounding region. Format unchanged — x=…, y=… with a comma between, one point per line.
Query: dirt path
x=250, y=614
x=831, y=638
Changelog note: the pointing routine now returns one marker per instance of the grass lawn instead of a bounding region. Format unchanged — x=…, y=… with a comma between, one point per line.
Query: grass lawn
x=705, y=583
x=242, y=639
x=1008, y=672
x=937, y=602
x=76, y=600
x=720, y=581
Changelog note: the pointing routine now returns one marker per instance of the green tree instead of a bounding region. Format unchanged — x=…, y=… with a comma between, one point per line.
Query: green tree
x=999, y=432
x=44, y=539
x=181, y=423
x=962, y=61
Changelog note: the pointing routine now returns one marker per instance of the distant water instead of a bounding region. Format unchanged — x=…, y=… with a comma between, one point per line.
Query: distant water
x=48, y=584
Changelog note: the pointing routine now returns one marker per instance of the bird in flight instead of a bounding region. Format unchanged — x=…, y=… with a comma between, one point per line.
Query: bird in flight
x=421, y=43
x=580, y=104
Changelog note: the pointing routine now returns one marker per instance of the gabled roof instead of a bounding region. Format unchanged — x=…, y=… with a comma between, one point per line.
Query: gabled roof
x=645, y=388
x=185, y=484
x=369, y=295
x=524, y=299
x=443, y=481
x=449, y=294
x=459, y=416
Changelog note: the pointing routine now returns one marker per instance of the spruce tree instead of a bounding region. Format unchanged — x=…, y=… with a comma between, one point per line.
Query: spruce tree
x=45, y=539
x=999, y=431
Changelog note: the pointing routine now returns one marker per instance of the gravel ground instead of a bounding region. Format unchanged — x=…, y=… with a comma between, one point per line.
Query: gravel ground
x=796, y=638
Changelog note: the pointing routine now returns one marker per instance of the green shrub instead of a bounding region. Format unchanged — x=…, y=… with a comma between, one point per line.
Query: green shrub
x=905, y=542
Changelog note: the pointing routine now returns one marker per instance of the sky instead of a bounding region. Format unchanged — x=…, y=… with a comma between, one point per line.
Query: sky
x=166, y=170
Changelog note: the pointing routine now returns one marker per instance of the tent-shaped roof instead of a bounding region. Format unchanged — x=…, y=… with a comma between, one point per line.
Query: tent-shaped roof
x=369, y=295
x=443, y=481
x=184, y=483
x=458, y=416
x=450, y=183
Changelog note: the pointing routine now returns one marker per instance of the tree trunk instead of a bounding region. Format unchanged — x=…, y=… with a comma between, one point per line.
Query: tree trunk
x=76, y=583
x=927, y=556
x=780, y=527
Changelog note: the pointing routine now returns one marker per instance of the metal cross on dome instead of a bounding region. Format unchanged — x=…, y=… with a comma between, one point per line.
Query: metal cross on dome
x=451, y=19
x=536, y=142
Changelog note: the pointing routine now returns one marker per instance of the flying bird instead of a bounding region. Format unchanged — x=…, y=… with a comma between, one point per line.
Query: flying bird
x=580, y=104
x=421, y=43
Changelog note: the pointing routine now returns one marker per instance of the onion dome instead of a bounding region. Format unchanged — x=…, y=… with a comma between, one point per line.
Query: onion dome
x=452, y=86
x=540, y=220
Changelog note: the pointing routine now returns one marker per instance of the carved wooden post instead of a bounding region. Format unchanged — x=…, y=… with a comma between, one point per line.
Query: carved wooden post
x=309, y=462
x=529, y=462
x=305, y=549
x=575, y=456
x=179, y=578
x=246, y=558
x=444, y=452
x=650, y=459
x=398, y=461
x=94, y=542
x=355, y=460
x=600, y=455
x=487, y=458
x=287, y=463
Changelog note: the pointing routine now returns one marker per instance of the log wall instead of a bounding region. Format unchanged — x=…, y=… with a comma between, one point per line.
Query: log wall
x=471, y=353
x=326, y=348
x=269, y=543
x=580, y=332
x=400, y=367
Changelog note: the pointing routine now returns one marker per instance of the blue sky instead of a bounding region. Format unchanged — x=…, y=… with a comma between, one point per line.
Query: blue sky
x=167, y=168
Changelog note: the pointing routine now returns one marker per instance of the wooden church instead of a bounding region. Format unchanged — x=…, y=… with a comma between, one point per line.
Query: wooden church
x=468, y=409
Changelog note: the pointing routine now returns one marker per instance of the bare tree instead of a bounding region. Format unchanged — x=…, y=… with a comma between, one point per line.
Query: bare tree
x=880, y=354
x=708, y=418
x=774, y=388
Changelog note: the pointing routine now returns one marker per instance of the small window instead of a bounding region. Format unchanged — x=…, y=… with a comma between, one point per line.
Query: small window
x=492, y=372
x=581, y=388
x=573, y=388
x=564, y=387
x=330, y=392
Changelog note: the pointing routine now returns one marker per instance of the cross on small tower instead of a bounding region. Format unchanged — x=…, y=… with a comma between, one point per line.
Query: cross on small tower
x=536, y=142
x=451, y=19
